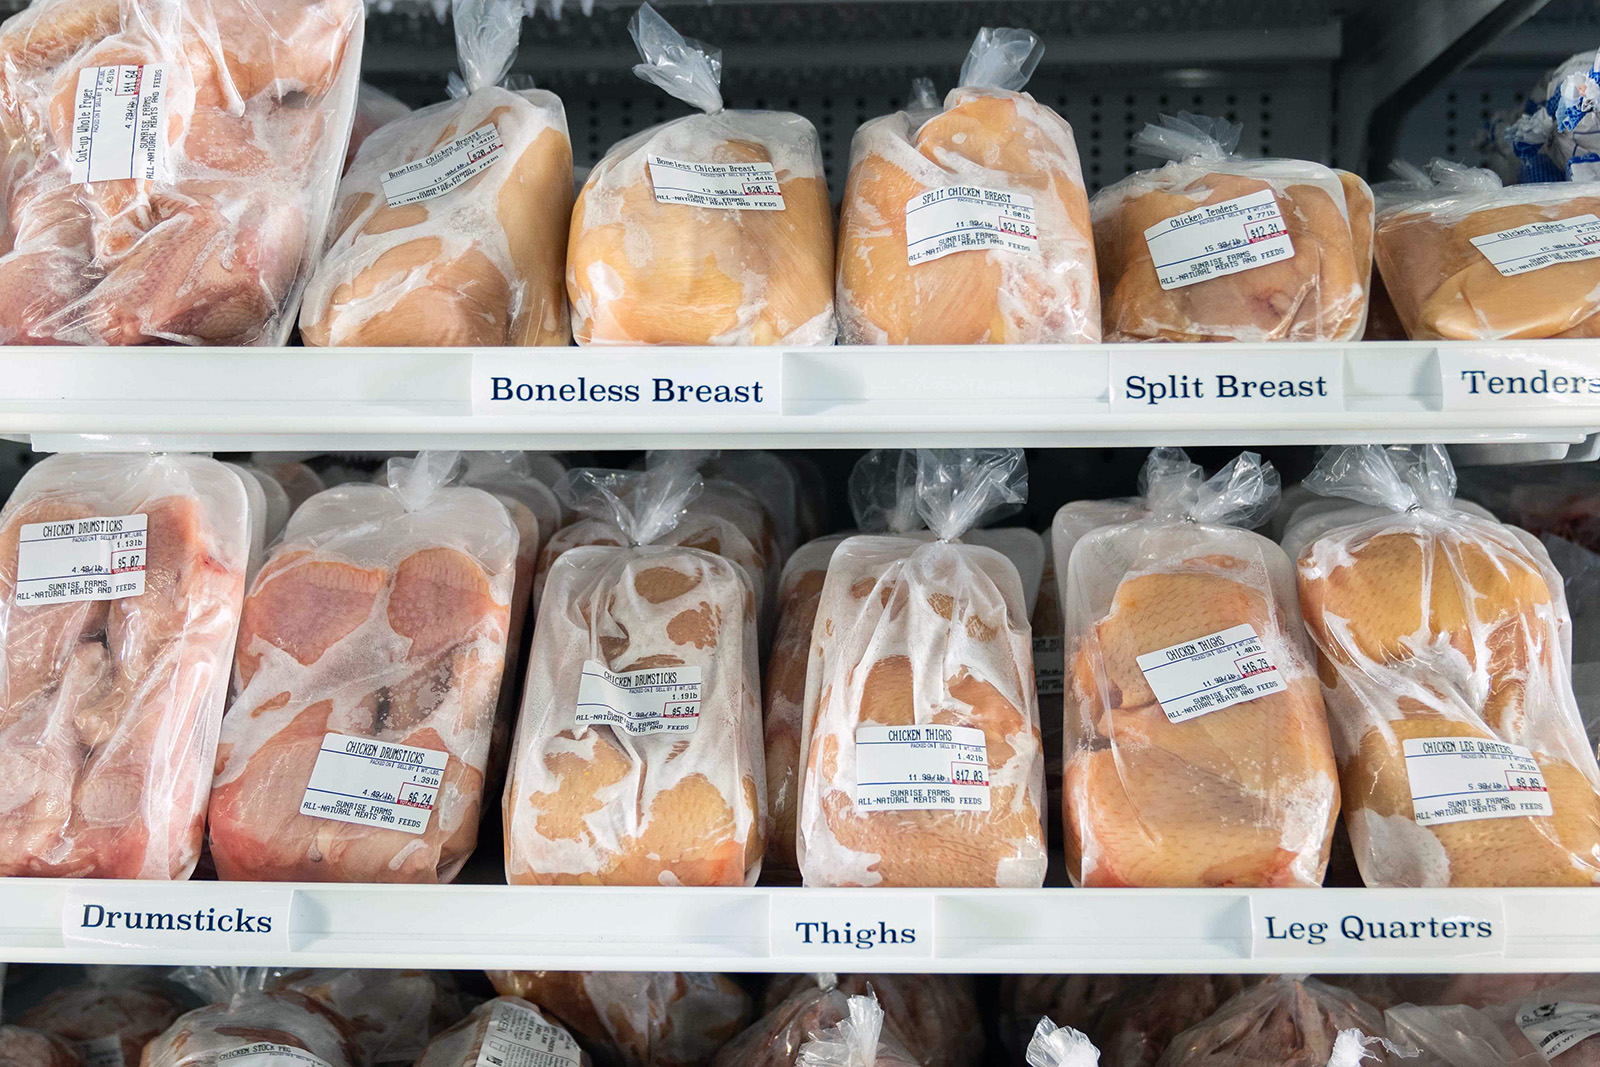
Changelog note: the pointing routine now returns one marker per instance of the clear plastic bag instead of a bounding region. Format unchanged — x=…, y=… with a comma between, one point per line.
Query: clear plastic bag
x=714, y=229
x=501, y=1030
x=1176, y=778
x=393, y=1013
x=108, y=1016
x=857, y=1040
x=1309, y=281
x=22, y=1047
x=637, y=758
x=1138, y=1028
x=380, y=618
x=109, y=708
x=1060, y=1046
x=429, y=258
x=934, y=1016
x=1032, y=278
x=374, y=110
x=1444, y=632
x=1283, y=1021
x=243, y=1011
x=207, y=235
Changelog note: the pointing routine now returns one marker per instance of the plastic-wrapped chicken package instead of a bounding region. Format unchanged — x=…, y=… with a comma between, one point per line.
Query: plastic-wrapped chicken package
x=451, y=225
x=764, y=476
x=1084, y=1000
x=244, y=1018
x=857, y=1040
x=713, y=229
x=392, y=1013
x=1457, y=1035
x=1283, y=1021
x=108, y=1018
x=255, y=508
x=1217, y=247
x=121, y=579
x=1448, y=684
x=170, y=165
x=935, y=1016
x=921, y=761
x=297, y=478
x=368, y=663
x=637, y=758
x=1558, y=1023
x=275, y=500
x=774, y=1040
x=504, y=1030
x=22, y=1047
x=638, y=1019
x=1060, y=1046
x=970, y=224
x=1138, y=1029
x=374, y=110
x=1196, y=743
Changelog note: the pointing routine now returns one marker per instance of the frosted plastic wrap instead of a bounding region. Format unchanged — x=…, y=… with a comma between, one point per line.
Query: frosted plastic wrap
x=109, y=707
x=22, y=1047
x=103, y=1010
x=194, y=217
x=374, y=110
x=1196, y=743
x=935, y=1016
x=1448, y=683
x=392, y=1013
x=857, y=1040
x=1285, y=1021
x=1060, y=1046
x=500, y=1031
x=1026, y=276
x=1137, y=1029
x=379, y=620
x=242, y=1014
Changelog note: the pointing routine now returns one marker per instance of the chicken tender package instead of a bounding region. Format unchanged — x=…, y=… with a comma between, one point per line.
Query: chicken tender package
x=1197, y=749
x=501, y=1031
x=1282, y=1021
x=245, y=1018
x=452, y=221
x=920, y=745
x=368, y=663
x=1217, y=247
x=169, y=165
x=637, y=758
x=713, y=229
x=121, y=580
x=1448, y=681
x=969, y=224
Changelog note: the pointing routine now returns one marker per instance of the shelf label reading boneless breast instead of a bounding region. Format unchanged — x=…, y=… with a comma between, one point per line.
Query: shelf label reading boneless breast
x=374, y=783
x=922, y=768
x=626, y=385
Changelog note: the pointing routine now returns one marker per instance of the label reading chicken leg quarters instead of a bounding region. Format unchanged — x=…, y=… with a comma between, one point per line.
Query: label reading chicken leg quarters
x=910, y=768
x=117, y=123
x=965, y=218
x=1210, y=673
x=1457, y=779
x=1541, y=244
x=1555, y=1028
x=81, y=559
x=518, y=1037
x=445, y=168
x=657, y=700
x=1219, y=239
x=374, y=783
x=270, y=1054
x=730, y=186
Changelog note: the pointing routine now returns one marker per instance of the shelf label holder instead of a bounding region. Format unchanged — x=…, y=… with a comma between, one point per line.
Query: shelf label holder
x=875, y=925
x=1503, y=377
x=1302, y=923
x=1149, y=379
x=642, y=382
x=149, y=919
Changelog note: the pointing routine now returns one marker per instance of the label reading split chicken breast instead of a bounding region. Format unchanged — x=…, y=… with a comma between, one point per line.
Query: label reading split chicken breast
x=657, y=700
x=1541, y=244
x=518, y=1037
x=1457, y=779
x=730, y=186
x=1219, y=239
x=81, y=559
x=270, y=1054
x=909, y=768
x=102, y=1051
x=1554, y=1028
x=117, y=124
x=374, y=783
x=965, y=218
x=445, y=168
x=1049, y=665
x=1210, y=673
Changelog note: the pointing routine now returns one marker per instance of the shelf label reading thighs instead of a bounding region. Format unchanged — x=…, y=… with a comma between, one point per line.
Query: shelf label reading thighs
x=374, y=783
x=882, y=923
x=509, y=382
x=1210, y=673
x=1301, y=924
x=146, y=916
x=921, y=768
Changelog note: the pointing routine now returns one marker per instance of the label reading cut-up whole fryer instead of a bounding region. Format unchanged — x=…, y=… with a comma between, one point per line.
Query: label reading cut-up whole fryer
x=929, y=767
x=1210, y=673
x=374, y=783
x=656, y=700
x=99, y=558
x=117, y=128
x=1457, y=779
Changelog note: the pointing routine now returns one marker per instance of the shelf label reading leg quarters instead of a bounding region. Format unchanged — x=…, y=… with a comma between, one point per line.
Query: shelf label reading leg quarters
x=1301, y=924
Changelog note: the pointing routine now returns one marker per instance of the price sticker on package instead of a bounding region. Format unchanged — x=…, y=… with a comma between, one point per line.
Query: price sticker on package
x=118, y=129
x=1557, y=1026
x=967, y=218
x=656, y=700
x=726, y=186
x=374, y=783
x=1216, y=240
x=911, y=768
x=100, y=558
x=1541, y=244
x=1459, y=779
x=1210, y=673
x=518, y=1036
x=444, y=169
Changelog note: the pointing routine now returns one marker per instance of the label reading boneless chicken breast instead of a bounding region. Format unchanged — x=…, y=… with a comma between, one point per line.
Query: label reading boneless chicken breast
x=117, y=127
x=1210, y=673
x=657, y=700
x=729, y=186
x=1541, y=244
x=518, y=1037
x=374, y=783
x=81, y=559
x=965, y=218
x=910, y=768
x=270, y=1054
x=1457, y=779
x=445, y=168
x=1216, y=240
x=1556, y=1027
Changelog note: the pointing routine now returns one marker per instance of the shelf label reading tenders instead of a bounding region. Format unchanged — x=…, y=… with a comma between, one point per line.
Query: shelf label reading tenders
x=1210, y=673
x=823, y=922
x=915, y=768
x=1219, y=239
x=518, y=1037
x=1237, y=382
x=445, y=168
x=730, y=186
x=1541, y=244
x=1458, y=779
x=117, y=127
x=374, y=783
x=145, y=917
x=81, y=559
x=270, y=1054
x=1310, y=925
x=1486, y=378
x=1049, y=665
x=1554, y=1028
x=965, y=218
x=656, y=700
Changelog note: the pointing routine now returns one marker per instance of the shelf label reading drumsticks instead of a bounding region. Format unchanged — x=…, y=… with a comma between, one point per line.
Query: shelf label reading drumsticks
x=1210, y=673
x=656, y=700
x=374, y=783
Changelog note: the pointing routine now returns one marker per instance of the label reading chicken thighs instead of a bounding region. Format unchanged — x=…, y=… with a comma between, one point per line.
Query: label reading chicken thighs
x=1555, y=1028
x=730, y=186
x=1210, y=673
x=1219, y=239
x=374, y=783
x=81, y=559
x=117, y=124
x=1457, y=779
x=657, y=700
x=445, y=168
x=518, y=1037
x=910, y=768
x=270, y=1054
x=965, y=218
x=1541, y=244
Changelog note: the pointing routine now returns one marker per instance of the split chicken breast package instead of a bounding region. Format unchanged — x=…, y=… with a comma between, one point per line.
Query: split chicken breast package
x=244, y=1018
x=1197, y=749
x=169, y=165
x=1282, y=1021
x=969, y=224
x=368, y=664
x=1446, y=646
x=1217, y=247
x=504, y=1030
x=714, y=229
x=920, y=750
x=121, y=581
x=637, y=758
x=451, y=227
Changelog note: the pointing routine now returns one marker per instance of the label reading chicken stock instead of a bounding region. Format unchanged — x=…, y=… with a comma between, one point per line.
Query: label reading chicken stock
x=445, y=168
x=730, y=186
x=1457, y=779
x=657, y=700
x=1219, y=239
x=103, y=1051
x=1049, y=665
x=910, y=768
x=374, y=783
x=519, y=1037
x=1541, y=244
x=1210, y=673
x=270, y=1054
x=1554, y=1028
x=81, y=559
x=117, y=123
x=965, y=218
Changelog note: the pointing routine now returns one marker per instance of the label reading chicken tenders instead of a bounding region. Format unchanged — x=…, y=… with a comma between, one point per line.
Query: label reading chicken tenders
x=445, y=168
x=909, y=768
x=374, y=783
x=965, y=218
x=117, y=123
x=729, y=186
x=1216, y=240
x=1210, y=673
x=81, y=559
x=519, y=1037
x=1457, y=779
x=657, y=700
x=1554, y=1028
x=270, y=1054
x=1541, y=244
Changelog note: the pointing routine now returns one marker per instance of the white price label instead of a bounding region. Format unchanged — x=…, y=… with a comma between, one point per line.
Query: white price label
x=118, y=128
x=1458, y=779
x=103, y=1051
x=374, y=783
x=1049, y=665
x=1541, y=244
x=1146, y=378
x=519, y=1037
x=142, y=918
x=445, y=168
x=1555, y=1027
x=627, y=385
x=730, y=186
x=1210, y=673
x=1490, y=377
x=822, y=922
x=1216, y=240
x=911, y=768
x=82, y=559
x=1399, y=926
x=658, y=700
x=967, y=218
x=270, y=1054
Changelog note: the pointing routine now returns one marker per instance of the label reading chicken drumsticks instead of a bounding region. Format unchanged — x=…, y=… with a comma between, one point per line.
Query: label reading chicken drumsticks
x=730, y=186
x=656, y=700
x=520, y=1037
x=1210, y=673
x=1541, y=244
x=81, y=559
x=1554, y=1028
x=1457, y=779
x=374, y=783
x=117, y=123
x=966, y=218
x=270, y=1054
x=931, y=767
x=444, y=168
x=1216, y=240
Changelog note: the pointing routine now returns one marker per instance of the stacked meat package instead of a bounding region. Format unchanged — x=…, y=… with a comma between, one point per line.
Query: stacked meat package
x=505, y=1030
x=452, y=222
x=368, y=663
x=1216, y=247
x=244, y=1018
x=169, y=165
x=121, y=578
x=23, y=1047
x=935, y=1016
x=969, y=224
x=857, y=1040
x=1448, y=683
x=637, y=758
x=109, y=1018
x=1197, y=750
x=711, y=229
x=1283, y=1021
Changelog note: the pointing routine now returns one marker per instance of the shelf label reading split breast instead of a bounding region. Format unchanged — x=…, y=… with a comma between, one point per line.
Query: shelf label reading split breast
x=444, y=169
x=374, y=783
x=82, y=559
x=1216, y=240
x=967, y=218
x=656, y=700
x=728, y=186
x=117, y=124
x=922, y=768
x=1152, y=379
x=1210, y=673
x=1458, y=779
